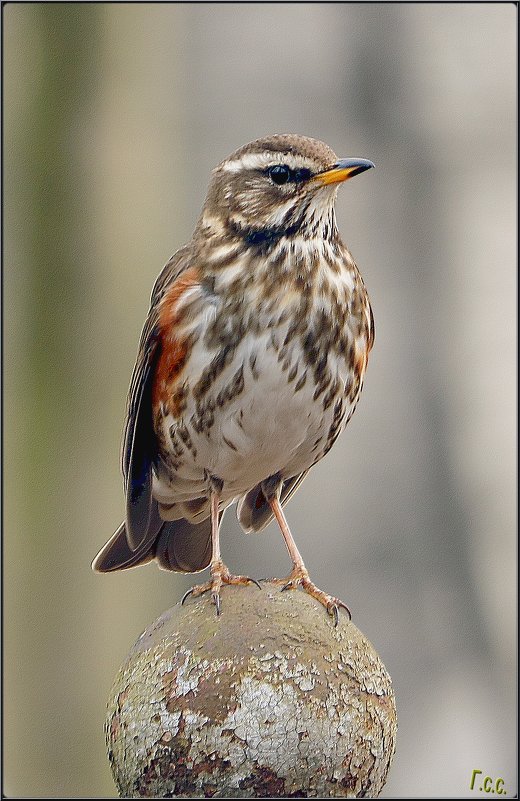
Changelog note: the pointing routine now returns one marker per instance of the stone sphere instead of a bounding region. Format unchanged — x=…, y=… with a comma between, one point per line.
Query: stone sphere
x=267, y=700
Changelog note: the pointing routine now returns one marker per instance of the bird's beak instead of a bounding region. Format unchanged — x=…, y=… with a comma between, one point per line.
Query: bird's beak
x=342, y=170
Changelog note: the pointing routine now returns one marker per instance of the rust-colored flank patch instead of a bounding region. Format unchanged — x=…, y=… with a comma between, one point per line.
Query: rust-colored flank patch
x=173, y=349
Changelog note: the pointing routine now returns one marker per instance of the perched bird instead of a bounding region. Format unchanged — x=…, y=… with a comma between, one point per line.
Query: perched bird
x=250, y=364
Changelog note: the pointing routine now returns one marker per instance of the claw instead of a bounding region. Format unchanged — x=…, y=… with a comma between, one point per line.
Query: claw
x=300, y=578
x=220, y=575
x=333, y=608
x=186, y=595
x=343, y=606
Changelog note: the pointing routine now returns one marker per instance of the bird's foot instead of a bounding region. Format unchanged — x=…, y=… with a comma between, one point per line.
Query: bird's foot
x=219, y=575
x=299, y=577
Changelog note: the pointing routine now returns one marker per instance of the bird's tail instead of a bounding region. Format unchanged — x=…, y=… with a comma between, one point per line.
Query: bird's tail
x=176, y=545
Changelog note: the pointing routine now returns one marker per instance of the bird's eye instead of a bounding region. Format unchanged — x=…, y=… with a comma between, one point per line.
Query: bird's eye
x=303, y=174
x=279, y=174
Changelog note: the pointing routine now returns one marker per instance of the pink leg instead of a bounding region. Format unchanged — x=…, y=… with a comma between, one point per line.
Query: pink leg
x=219, y=573
x=299, y=576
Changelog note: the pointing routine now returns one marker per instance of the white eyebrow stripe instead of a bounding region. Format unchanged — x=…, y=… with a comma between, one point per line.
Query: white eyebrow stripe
x=260, y=161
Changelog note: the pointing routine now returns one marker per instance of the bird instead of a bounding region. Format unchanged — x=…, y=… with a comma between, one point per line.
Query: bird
x=250, y=364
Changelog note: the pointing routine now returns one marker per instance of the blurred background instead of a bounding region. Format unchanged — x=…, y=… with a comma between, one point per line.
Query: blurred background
x=114, y=115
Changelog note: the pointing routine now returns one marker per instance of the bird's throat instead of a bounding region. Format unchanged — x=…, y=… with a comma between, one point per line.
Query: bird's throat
x=265, y=238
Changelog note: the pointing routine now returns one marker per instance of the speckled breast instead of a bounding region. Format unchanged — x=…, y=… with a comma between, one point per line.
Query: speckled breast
x=262, y=389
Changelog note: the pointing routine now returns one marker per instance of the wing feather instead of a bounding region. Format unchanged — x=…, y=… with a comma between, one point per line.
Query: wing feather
x=253, y=511
x=139, y=446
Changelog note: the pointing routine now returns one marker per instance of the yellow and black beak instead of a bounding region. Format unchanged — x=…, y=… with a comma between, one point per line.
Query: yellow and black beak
x=342, y=170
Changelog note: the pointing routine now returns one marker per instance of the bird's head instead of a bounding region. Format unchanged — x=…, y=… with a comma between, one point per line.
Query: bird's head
x=282, y=184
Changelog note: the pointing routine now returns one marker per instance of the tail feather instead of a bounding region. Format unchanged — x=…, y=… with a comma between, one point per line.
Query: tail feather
x=177, y=545
x=184, y=547
x=117, y=555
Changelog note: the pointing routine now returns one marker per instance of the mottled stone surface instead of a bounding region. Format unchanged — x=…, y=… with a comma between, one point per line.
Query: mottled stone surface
x=267, y=700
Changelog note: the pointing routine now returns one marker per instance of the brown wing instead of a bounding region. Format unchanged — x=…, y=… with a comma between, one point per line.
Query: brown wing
x=176, y=545
x=139, y=438
x=148, y=351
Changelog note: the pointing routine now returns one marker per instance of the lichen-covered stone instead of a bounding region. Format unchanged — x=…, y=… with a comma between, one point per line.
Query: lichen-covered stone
x=268, y=700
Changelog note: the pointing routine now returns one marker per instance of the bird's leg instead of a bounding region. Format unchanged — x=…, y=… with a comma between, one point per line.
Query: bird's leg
x=219, y=572
x=299, y=576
